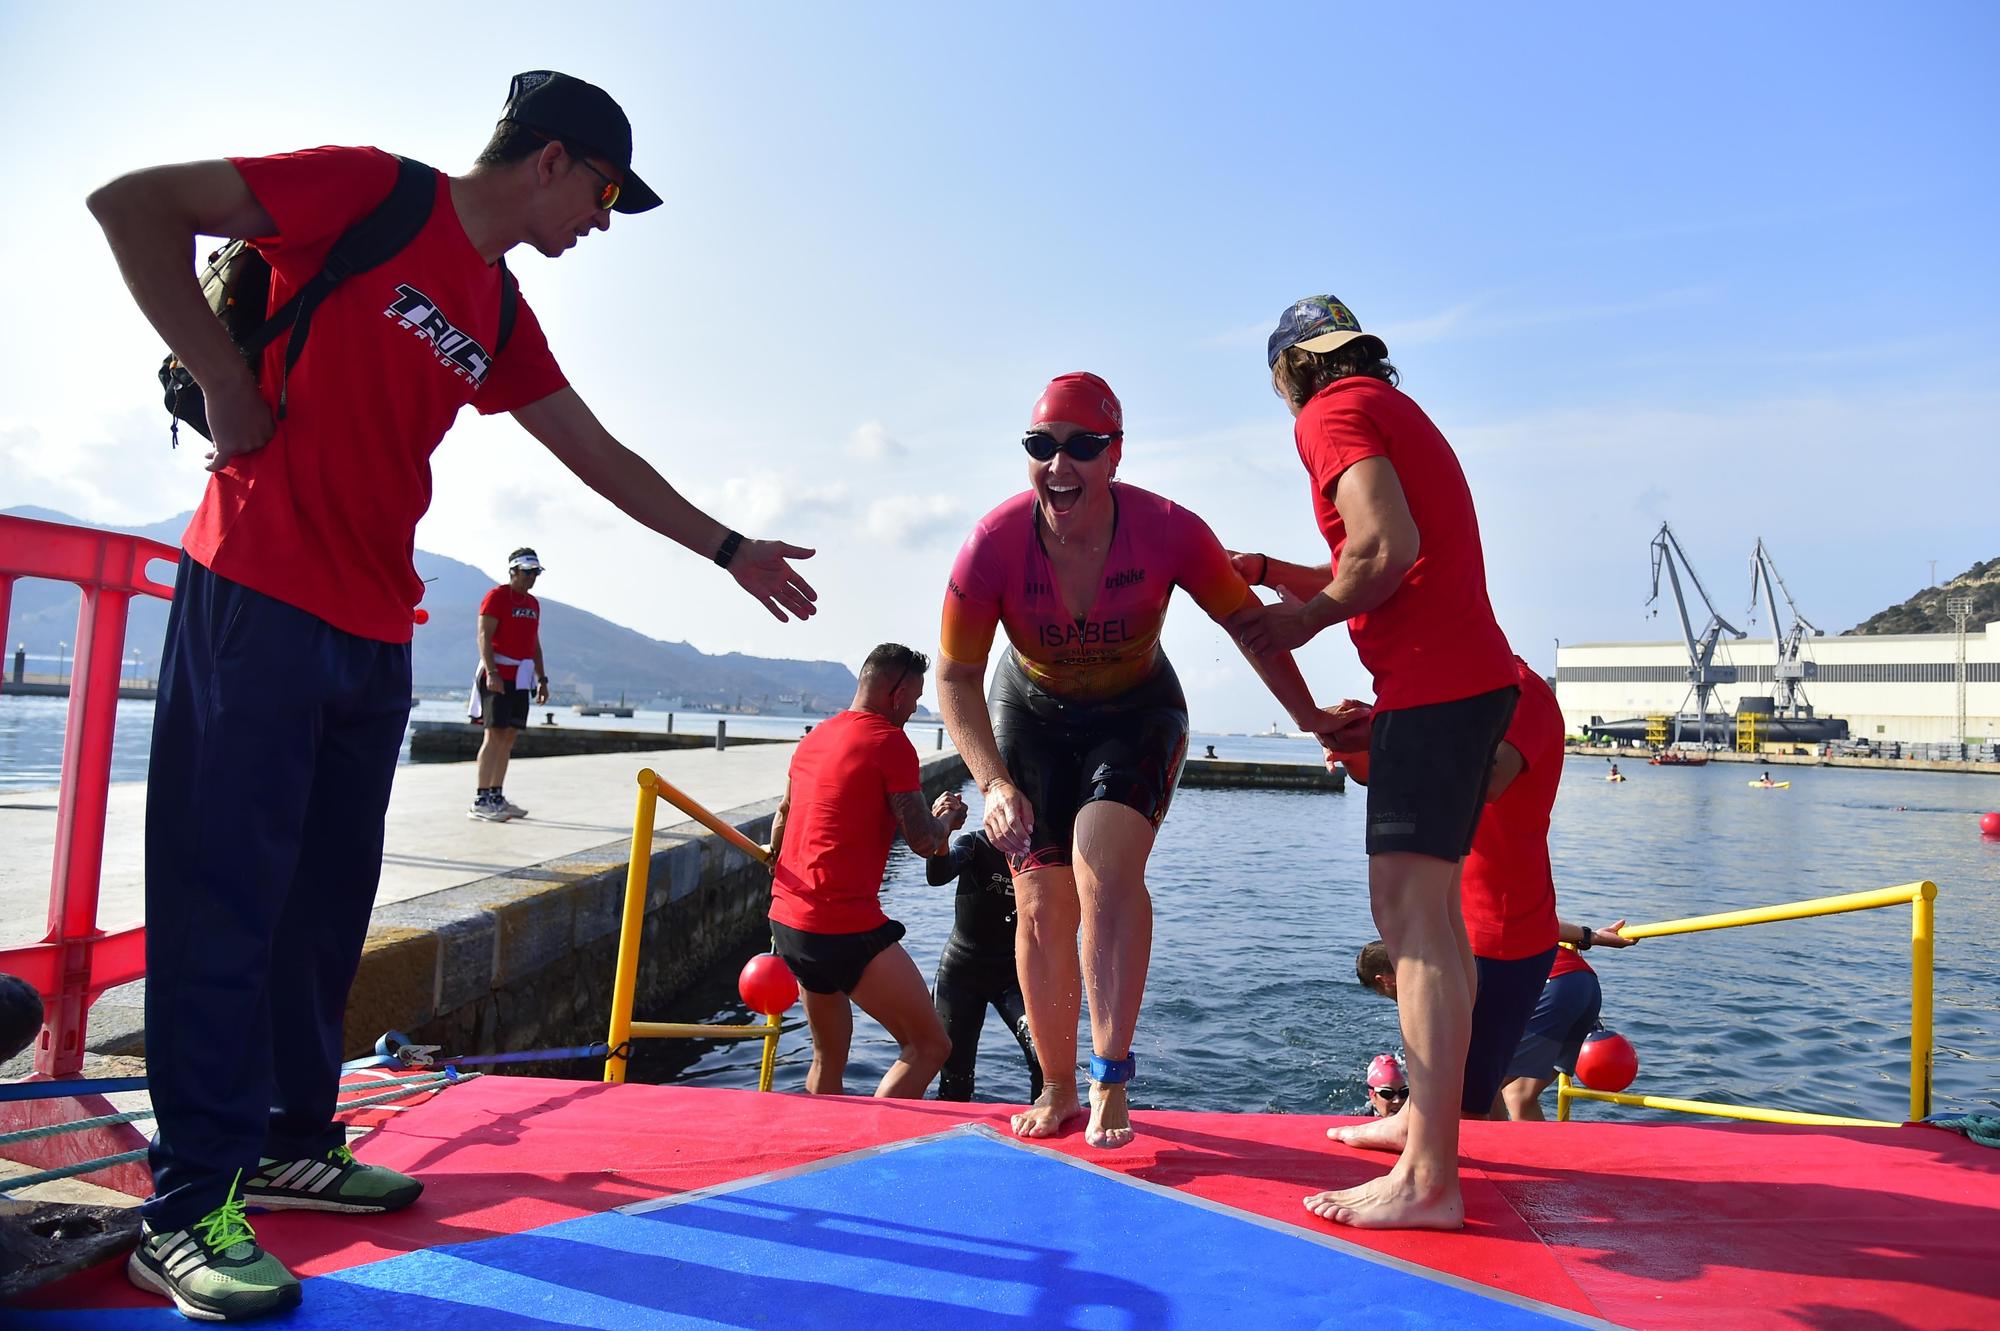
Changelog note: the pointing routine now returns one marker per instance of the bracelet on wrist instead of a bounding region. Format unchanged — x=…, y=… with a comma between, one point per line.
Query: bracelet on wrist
x=727, y=550
x=1263, y=569
x=1588, y=940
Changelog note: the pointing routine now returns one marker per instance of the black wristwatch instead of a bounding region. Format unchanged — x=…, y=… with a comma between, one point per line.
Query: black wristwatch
x=727, y=550
x=1585, y=943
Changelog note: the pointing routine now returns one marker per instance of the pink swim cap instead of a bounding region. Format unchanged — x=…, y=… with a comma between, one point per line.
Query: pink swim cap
x=1080, y=399
x=1385, y=1071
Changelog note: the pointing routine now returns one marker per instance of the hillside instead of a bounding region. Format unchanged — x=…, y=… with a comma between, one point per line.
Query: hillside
x=1924, y=612
x=584, y=649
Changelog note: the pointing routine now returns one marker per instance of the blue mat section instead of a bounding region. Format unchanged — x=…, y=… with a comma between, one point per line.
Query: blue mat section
x=960, y=1232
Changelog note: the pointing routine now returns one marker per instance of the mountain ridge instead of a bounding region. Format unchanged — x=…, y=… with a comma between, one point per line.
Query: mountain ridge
x=1925, y=612
x=585, y=650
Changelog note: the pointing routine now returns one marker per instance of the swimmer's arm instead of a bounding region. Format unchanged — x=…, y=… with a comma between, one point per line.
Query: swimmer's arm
x=962, y=702
x=1279, y=672
x=1507, y=764
x=944, y=866
x=926, y=833
x=569, y=429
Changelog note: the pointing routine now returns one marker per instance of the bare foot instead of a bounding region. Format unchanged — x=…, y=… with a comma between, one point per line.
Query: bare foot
x=1110, y=1117
x=1055, y=1106
x=1391, y=1202
x=1377, y=1134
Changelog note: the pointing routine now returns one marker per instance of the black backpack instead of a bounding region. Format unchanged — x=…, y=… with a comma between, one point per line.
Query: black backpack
x=237, y=283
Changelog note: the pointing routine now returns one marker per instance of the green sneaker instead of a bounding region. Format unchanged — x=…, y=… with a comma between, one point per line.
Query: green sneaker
x=335, y=1181
x=213, y=1270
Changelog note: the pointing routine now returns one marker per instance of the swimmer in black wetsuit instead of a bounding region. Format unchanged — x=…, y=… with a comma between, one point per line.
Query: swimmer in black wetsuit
x=977, y=967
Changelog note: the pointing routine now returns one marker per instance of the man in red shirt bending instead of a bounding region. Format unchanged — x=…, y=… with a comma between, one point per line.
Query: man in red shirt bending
x=511, y=670
x=284, y=686
x=853, y=784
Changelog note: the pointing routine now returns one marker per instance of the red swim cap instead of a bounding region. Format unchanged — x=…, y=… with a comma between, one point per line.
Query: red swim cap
x=1080, y=399
x=1385, y=1071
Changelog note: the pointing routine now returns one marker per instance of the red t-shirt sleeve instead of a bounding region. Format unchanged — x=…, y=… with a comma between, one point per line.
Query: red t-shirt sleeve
x=897, y=758
x=490, y=604
x=313, y=196
x=1333, y=435
x=524, y=372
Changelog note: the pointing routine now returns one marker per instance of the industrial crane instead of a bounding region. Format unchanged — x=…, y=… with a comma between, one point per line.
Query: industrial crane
x=1703, y=674
x=1789, y=675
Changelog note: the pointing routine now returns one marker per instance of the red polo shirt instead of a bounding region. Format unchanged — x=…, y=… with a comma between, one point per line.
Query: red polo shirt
x=1435, y=639
x=828, y=878
x=324, y=516
x=520, y=615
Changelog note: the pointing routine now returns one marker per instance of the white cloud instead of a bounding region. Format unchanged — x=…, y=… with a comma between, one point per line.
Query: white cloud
x=872, y=442
x=760, y=504
x=914, y=520
x=123, y=471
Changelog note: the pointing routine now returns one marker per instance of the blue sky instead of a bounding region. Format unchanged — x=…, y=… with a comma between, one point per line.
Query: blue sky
x=1731, y=266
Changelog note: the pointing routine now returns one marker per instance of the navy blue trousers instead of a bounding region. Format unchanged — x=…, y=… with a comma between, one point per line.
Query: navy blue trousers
x=275, y=740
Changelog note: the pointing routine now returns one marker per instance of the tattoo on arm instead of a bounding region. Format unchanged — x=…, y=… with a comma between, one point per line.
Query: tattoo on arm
x=926, y=835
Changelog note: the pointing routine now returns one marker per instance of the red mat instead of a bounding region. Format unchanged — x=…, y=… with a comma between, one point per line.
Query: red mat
x=1647, y=1226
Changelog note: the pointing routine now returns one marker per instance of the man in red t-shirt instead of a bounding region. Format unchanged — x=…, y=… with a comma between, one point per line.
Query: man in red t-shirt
x=853, y=784
x=1565, y=1013
x=285, y=681
x=511, y=670
x=1409, y=579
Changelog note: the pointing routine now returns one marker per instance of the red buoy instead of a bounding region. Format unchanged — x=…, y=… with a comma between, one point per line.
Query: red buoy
x=420, y=616
x=1607, y=1061
x=767, y=985
x=1356, y=765
x=1989, y=823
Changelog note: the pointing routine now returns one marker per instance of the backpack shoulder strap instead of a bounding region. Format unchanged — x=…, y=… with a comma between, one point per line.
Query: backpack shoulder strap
x=369, y=243
x=372, y=241
x=510, y=299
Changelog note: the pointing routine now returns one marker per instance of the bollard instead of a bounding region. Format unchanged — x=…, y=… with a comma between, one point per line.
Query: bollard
x=721, y=735
x=940, y=742
x=670, y=723
x=21, y=664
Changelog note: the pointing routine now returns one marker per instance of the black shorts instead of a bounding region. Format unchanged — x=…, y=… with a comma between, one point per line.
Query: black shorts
x=1427, y=773
x=1508, y=993
x=832, y=963
x=504, y=711
x=1065, y=754
x=1567, y=1012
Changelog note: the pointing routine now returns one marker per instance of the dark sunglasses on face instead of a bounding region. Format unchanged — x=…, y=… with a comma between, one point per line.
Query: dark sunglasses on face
x=1391, y=1092
x=1042, y=446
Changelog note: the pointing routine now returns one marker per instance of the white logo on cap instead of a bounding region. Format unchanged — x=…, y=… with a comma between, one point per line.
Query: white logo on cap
x=530, y=82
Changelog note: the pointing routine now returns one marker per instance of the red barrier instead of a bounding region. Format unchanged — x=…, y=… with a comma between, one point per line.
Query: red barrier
x=76, y=961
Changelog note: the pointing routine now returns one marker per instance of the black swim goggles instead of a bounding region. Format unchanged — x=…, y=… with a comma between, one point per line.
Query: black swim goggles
x=1042, y=445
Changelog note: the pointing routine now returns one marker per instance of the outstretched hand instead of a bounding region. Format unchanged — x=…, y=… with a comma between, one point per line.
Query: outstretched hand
x=1611, y=937
x=761, y=568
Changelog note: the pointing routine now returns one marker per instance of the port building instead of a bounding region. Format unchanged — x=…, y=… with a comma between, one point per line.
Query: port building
x=1889, y=687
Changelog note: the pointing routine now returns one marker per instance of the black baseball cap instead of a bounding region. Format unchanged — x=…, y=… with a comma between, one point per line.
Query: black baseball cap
x=570, y=110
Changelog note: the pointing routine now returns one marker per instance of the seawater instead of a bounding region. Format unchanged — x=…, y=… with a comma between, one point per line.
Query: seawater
x=1260, y=903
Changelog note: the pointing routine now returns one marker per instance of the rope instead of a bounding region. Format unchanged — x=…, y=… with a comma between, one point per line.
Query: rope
x=405, y=1087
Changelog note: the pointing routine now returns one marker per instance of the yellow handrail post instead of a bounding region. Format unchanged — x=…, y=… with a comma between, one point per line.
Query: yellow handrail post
x=1562, y=1096
x=769, y=1066
x=633, y=923
x=1921, y=921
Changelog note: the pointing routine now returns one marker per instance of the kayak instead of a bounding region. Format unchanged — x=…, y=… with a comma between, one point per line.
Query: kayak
x=1619, y=777
x=1770, y=785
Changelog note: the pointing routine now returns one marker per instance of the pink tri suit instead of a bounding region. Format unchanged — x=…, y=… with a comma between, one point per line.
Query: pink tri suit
x=1085, y=705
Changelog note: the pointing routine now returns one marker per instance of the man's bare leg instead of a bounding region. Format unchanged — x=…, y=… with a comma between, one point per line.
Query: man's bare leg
x=1414, y=898
x=1389, y=1134
x=1052, y=987
x=831, y=1019
x=892, y=991
x=496, y=746
x=1112, y=844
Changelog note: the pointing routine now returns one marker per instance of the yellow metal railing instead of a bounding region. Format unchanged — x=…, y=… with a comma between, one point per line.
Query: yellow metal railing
x=1656, y=732
x=1919, y=897
x=652, y=789
x=1747, y=740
